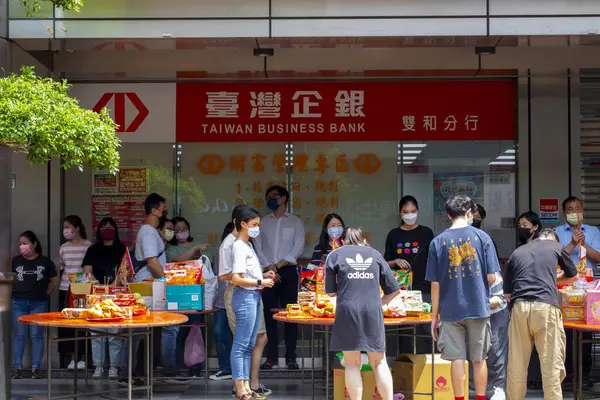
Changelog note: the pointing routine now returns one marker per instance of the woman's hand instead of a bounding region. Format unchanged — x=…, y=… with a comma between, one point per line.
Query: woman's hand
x=402, y=264
x=268, y=283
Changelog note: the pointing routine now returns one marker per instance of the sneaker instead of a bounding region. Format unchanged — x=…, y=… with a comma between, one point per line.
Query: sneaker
x=498, y=394
x=98, y=373
x=113, y=373
x=36, y=374
x=292, y=364
x=172, y=378
x=269, y=365
x=262, y=391
x=136, y=382
x=220, y=376
x=71, y=366
x=17, y=374
x=81, y=365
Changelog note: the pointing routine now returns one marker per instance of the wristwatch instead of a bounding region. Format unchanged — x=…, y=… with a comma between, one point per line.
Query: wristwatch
x=258, y=282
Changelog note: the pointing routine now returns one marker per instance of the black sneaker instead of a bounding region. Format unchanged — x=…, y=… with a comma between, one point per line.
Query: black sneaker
x=220, y=376
x=292, y=364
x=17, y=374
x=36, y=374
x=125, y=382
x=268, y=365
x=262, y=391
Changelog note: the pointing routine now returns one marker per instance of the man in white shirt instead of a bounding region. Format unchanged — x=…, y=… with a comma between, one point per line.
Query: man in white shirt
x=225, y=271
x=280, y=243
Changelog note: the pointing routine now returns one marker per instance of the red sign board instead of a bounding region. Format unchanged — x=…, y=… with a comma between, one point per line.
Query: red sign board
x=346, y=111
x=549, y=205
x=119, y=110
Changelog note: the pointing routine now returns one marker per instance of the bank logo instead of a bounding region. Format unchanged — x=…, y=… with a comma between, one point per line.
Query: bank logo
x=359, y=266
x=119, y=108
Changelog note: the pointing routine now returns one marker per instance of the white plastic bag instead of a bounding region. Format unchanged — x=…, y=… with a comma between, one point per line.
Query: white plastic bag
x=210, y=283
x=194, y=347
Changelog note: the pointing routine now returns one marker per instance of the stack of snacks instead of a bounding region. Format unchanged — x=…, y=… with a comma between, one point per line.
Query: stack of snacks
x=573, y=304
x=184, y=285
x=404, y=278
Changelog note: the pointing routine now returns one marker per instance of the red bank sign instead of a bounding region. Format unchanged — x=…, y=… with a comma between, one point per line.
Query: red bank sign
x=119, y=108
x=346, y=111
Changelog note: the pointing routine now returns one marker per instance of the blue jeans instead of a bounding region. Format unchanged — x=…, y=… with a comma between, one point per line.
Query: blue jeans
x=115, y=346
x=168, y=348
x=36, y=333
x=246, y=305
x=223, y=341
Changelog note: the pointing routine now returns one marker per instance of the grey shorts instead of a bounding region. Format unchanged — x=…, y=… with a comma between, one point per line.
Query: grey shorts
x=465, y=340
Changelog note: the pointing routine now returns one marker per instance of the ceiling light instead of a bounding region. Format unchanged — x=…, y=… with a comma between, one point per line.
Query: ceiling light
x=506, y=157
x=410, y=158
x=411, y=151
x=263, y=52
x=502, y=163
x=415, y=145
x=510, y=151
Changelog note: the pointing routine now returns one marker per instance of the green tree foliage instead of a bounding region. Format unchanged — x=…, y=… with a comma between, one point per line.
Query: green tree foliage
x=38, y=118
x=33, y=6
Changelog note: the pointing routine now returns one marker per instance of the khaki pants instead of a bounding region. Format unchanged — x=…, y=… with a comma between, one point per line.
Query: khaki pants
x=540, y=324
x=231, y=313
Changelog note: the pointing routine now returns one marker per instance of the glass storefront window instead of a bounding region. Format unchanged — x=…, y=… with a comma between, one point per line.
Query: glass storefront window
x=484, y=171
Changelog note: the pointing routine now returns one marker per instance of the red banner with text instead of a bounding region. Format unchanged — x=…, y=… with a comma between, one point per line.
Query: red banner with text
x=346, y=111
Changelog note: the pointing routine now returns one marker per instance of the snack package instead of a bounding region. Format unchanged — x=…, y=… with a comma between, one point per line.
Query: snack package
x=572, y=297
x=411, y=295
x=395, y=308
x=308, y=280
x=306, y=297
x=75, y=313
x=404, y=278
x=571, y=313
x=79, y=277
x=184, y=273
x=320, y=278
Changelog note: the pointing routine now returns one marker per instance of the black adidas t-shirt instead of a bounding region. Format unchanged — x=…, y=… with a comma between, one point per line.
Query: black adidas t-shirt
x=413, y=247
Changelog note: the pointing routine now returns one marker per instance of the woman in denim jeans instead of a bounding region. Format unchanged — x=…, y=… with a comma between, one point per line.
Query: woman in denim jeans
x=102, y=261
x=248, y=278
x=36, y=279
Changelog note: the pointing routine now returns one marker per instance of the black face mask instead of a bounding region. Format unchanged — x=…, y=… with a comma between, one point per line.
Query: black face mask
x=476, y=223
x=524, y=234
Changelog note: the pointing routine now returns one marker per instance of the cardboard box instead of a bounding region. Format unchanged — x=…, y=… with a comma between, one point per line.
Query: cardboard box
x=185, y=297
x=159, y=296
x=370, y=391
x=592, y=309
x=412, y=373
x=145, y=290
x=79, y=291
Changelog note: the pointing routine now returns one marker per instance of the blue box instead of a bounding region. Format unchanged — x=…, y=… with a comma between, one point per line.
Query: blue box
x=185, y=297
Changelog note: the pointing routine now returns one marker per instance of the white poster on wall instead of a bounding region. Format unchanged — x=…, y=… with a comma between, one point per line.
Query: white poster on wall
x=145, y=112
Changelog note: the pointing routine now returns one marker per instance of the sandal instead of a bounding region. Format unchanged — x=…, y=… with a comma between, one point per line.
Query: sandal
x=257, y=396
x=245, y=396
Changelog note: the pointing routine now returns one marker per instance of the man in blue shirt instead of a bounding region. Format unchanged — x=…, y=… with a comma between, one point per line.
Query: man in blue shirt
x=461, y=266
x=574, y=235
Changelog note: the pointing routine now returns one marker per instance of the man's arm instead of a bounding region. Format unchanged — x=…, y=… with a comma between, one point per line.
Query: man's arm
x=565, y=262
x=593, y=247
x=154, y=267
x=435, y=308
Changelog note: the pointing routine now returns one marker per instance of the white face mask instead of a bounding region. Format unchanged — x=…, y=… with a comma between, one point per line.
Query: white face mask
x=410, y=219
x=254, y=232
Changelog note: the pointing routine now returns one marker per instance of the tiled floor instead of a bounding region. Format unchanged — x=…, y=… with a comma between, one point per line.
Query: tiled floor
x=282, y=389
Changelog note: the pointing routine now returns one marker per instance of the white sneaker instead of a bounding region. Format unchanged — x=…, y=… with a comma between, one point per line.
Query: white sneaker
x=498, y=394
x=98, y=373
x=71, y=366
x=81, y=365
x=220, y=376
x=113, y=373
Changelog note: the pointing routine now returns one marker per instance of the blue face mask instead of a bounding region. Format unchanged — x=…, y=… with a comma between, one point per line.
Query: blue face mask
x=335, y=232
x=273, y=204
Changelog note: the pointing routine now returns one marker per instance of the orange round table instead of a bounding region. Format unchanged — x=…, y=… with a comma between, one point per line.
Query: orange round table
x=138, y=326
x=400, y=323
x=578, y=328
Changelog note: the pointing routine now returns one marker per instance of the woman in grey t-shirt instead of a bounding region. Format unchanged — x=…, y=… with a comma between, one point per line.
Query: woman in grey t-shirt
x=354, y=273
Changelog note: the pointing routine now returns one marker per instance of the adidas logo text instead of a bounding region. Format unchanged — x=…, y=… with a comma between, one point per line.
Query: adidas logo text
x=360, y=275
